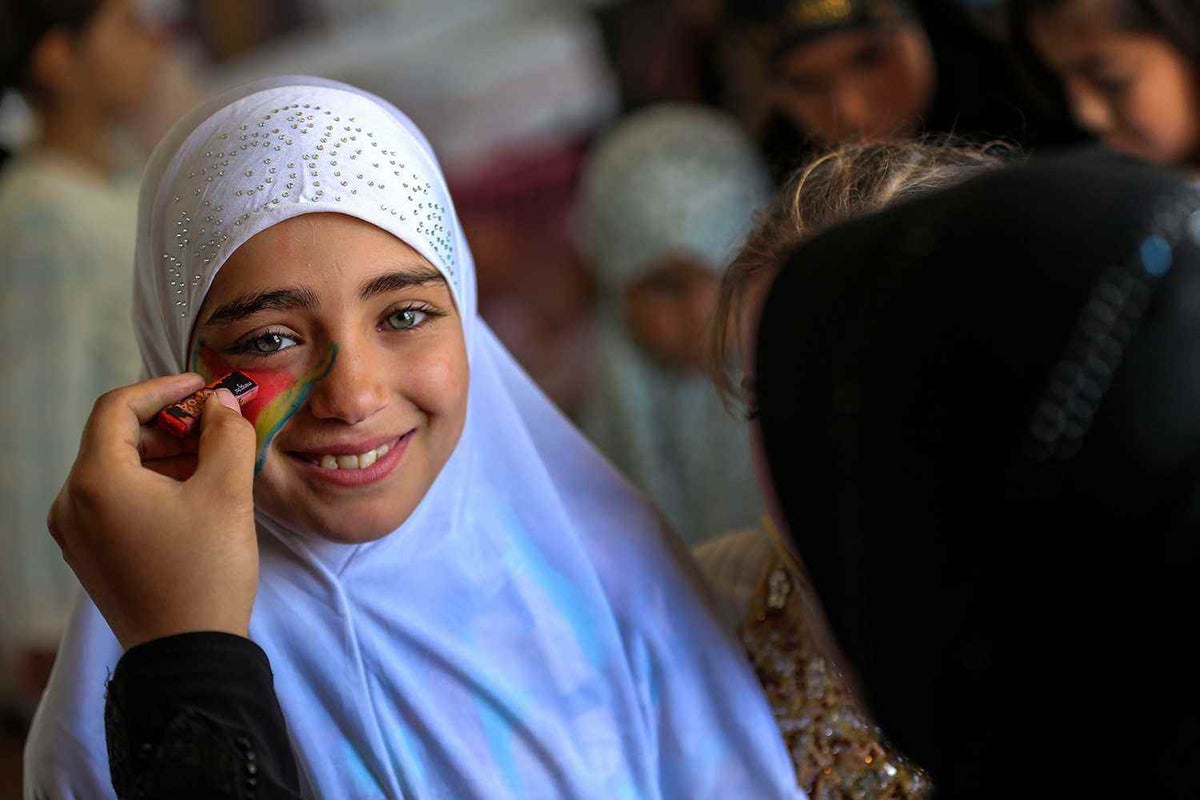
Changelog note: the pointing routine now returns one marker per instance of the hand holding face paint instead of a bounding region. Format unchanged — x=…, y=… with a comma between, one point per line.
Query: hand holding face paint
x=158, y=554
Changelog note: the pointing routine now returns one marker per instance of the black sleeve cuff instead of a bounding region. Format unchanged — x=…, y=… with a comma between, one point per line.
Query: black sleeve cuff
x=195, y=715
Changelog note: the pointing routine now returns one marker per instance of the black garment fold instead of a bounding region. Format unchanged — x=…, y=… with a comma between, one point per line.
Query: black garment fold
x=196, y=716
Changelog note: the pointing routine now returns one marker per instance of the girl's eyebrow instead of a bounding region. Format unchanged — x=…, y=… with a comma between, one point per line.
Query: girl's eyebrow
x=253, y=302
x=304, y=298
x=394, y=281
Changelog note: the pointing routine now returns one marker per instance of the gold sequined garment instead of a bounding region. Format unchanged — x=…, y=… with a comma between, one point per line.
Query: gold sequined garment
x=836, y=748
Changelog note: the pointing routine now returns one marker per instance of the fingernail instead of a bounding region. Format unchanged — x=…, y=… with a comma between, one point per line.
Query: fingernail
x=227, y=399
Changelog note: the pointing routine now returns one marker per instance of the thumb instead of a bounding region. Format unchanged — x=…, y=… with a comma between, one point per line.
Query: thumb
x=226, y=451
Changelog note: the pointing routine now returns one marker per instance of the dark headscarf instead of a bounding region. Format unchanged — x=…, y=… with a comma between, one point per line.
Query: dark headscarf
x=780, y=25
x=981, y=411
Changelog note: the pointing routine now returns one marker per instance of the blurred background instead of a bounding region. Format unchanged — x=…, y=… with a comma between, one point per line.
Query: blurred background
x=605, y=158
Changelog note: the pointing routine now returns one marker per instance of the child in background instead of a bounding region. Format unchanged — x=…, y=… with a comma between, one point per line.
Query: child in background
x=667, y=197
x=67, y=221
x=870, y=70
x=1129, y=69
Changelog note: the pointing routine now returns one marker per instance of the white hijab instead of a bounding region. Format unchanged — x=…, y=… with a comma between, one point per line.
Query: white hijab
x=529, y=631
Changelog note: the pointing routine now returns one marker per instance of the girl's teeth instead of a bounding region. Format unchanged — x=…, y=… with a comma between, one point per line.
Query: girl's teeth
x=352, y=462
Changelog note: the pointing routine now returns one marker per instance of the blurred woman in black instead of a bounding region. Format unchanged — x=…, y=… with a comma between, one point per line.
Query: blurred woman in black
x=979, y=414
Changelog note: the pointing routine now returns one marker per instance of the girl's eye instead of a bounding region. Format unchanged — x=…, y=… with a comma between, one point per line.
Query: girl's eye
x=266, y=344
x=406, y=319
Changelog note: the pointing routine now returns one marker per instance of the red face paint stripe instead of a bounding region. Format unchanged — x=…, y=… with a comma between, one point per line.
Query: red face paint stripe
x=280, y=394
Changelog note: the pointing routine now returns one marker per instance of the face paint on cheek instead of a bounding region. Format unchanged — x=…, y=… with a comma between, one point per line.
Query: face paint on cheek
x=280, y=394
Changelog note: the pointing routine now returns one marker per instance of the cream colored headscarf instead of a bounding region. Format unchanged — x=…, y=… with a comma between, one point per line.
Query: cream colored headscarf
x=671, y=181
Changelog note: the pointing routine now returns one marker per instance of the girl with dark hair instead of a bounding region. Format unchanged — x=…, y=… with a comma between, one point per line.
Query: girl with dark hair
x=1128, y=68
x=868, y=70
x=84, y=66
x=67, y=216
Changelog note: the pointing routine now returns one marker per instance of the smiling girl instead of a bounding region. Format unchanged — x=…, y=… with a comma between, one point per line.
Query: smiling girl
x=458, y=596
x=338, y=319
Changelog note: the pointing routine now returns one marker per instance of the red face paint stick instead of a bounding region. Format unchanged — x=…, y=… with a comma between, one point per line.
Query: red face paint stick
x=180, y=418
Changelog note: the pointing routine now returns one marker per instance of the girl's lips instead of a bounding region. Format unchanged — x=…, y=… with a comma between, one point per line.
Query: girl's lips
x=357, y=477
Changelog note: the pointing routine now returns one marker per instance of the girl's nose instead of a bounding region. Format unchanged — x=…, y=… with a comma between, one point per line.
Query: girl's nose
x=354, y=389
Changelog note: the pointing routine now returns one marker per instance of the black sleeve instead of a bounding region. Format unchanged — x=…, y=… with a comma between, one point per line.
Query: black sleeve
x=195, y=716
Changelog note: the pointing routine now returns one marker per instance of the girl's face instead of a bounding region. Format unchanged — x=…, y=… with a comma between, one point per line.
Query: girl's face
x=358, y=350
x=669, y=311
x=1133, y=90
x=858, y=85
x=112, y=63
